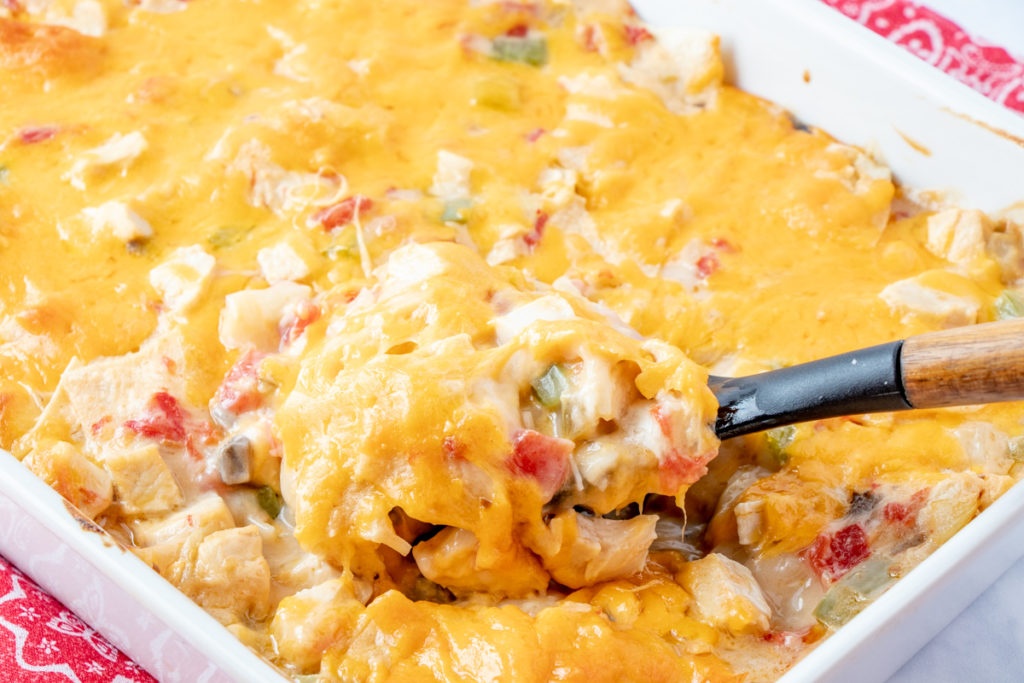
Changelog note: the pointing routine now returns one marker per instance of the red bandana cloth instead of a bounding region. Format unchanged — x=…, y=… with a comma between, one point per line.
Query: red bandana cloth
x=41, y=641
x=989, y=69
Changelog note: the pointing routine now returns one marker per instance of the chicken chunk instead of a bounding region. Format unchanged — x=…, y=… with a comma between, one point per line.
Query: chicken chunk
x=252, y=317
x=452, y=179
x=683, y=68
x=726, y=595
x=913, y=297
x=143, y=484
x=232, y=578
x=451, y=558
x=183, y=277
x=106, y=392
x=307, y=623
x=118, y=220
x=951, y=504
x=116, y=153
x=579, y=549
x=958, y=236
x=277, y=189
x=282, y=262
x=83, y=483
x=166, y=544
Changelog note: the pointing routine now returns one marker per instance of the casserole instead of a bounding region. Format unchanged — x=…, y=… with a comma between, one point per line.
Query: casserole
x=972, y=194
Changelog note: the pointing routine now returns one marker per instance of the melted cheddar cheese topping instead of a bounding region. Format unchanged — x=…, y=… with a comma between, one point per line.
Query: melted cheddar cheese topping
x=382, y=330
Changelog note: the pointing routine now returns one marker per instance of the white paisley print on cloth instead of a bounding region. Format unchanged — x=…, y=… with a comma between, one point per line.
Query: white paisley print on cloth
x=67, y=623
x=989, y=69
x=42, y=642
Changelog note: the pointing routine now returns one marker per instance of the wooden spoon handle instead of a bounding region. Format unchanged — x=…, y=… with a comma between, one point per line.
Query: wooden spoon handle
x=966, y=365
x=963, y=366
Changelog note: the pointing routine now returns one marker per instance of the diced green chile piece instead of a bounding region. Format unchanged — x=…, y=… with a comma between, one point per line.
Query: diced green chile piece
x=529, y=49
x=269, y=500
x=779, y=439
x=455, y=210
x=1015, y=446
x=228, y=235
x=548, y=388
x=1010, y=304
x=499, y=92
x=855, y=591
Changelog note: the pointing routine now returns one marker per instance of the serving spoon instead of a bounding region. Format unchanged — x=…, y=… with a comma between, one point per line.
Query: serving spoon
x=961, y=366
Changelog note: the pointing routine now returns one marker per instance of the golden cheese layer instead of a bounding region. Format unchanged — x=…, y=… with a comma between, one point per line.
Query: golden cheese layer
x=382, y=331
x=425, y=404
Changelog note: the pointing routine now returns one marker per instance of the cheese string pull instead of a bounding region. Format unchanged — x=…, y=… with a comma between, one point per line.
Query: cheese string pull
x=961, y=366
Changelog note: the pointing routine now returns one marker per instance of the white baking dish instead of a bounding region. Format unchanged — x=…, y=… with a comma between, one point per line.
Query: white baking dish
x=829, y=72
x=114, y=591
x=934, y=133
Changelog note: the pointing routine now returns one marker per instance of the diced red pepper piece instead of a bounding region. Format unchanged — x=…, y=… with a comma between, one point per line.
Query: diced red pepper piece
x=664, y=419
x=905, y=513
x=637, y=34
x=707, y=265
x=544, y=458
x=896, y=513
x=240, y=390
x=305, y=315
x=833, y=555
x=784, y=638
x=34, y=134
x=724, y=245
x=588, y=36
x=518, y=31
x=453, y=448
x=533, y=237
x=99, y=424
x=343, y=212
x=678, y=469
x=521, y=8
x=164, y=419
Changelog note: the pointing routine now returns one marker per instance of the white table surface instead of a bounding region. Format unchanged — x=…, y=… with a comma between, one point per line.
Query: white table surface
x=1000, y=22
x=985, y=644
